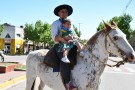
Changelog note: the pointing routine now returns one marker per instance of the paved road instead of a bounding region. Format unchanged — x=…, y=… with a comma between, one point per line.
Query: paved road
x=110, y=81
x=16, y=58
x=122, y=78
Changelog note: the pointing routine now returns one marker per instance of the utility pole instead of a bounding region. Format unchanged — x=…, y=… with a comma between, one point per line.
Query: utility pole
x=79, y=29
x=79, y=26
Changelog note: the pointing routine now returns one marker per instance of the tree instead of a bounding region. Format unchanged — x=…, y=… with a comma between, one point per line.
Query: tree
x=30, y=33
x=1, y=28
x=40, y=32
x=123, y=22
x=45, y=35
x=101, y=26
x=83, y=41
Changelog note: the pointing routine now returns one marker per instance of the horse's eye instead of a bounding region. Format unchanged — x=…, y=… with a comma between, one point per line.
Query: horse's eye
x=115, y=37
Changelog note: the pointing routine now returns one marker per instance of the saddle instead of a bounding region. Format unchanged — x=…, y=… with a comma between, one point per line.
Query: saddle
x=53, y=57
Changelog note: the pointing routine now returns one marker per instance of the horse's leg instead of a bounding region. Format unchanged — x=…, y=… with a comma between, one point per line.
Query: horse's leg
x=30, y=82
x=32, y=88
x=41, y=85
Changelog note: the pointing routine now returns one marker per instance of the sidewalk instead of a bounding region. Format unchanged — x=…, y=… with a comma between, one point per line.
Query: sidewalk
x=11, y=78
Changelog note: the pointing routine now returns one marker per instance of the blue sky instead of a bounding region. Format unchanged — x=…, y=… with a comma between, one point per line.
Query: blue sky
x=89, y=13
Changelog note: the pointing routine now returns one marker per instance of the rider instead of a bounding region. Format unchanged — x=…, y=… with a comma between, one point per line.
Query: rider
x=62, y=11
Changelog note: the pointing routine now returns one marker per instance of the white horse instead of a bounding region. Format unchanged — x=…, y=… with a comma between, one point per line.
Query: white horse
x=86, y=73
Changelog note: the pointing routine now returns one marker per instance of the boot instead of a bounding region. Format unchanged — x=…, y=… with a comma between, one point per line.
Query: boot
x=70, y=87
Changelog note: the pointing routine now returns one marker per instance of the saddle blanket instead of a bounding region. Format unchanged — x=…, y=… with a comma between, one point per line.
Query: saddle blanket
x=56, y=69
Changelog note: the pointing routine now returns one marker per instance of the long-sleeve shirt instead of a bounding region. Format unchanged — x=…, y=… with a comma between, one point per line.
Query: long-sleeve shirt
x=55, y=28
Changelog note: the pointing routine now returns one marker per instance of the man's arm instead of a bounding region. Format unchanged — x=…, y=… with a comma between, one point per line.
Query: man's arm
x=59, y=38
x=55, y=33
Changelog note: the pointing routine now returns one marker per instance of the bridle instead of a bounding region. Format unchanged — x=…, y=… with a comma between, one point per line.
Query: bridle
x=118, y=63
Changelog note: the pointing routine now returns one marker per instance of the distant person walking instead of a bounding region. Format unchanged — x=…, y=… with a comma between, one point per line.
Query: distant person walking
x=1, y=55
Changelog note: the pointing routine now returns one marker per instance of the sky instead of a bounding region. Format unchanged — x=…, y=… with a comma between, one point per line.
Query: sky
x=87, y=13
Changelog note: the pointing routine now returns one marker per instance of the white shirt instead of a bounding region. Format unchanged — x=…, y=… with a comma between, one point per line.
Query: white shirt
x=56, y=26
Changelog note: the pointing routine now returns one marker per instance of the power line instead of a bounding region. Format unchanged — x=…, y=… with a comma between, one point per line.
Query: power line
x=127, y=6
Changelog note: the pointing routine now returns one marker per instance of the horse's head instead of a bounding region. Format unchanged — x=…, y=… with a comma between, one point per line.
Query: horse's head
x=117, y=43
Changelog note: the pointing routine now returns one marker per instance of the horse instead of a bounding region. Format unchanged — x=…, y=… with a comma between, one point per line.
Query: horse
x=88, y=69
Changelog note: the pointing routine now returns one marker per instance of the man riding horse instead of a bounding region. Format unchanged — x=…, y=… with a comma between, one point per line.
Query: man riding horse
x=62, y=11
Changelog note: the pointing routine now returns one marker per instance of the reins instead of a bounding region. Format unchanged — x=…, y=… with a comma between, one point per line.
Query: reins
x=118, y=63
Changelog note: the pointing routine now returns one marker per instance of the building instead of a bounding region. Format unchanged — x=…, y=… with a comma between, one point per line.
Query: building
x=11, y=39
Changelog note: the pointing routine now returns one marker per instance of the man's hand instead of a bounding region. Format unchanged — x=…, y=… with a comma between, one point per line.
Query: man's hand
x=58, y=38
x=70, y=41
x=63, y=40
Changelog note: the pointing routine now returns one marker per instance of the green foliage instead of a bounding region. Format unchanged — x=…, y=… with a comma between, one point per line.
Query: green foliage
x=83, y=41
x=45, y=35
x=40, y=32
x=123, y=22
x=1, y=28
x=20, y=68
x=100, y=27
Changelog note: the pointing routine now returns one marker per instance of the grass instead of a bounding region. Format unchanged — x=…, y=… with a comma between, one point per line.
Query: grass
x=21, y=68
x=5, y=64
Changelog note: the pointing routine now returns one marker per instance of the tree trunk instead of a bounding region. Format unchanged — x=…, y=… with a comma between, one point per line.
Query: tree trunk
x=33, y=45
x=44, y=45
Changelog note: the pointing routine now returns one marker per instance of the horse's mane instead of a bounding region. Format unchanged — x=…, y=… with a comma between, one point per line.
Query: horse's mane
x=107, y=27
x=93, y=39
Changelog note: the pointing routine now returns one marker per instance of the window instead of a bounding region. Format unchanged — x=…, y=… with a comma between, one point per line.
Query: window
x=18, y=35
x=7, y=36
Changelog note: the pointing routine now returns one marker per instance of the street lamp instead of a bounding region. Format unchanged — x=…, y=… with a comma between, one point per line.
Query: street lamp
x=79, y=26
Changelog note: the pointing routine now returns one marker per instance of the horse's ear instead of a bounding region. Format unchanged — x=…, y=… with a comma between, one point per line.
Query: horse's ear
x=113, y=23
x=107, y=26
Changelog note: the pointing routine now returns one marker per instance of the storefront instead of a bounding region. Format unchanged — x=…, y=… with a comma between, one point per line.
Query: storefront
x=11, y=39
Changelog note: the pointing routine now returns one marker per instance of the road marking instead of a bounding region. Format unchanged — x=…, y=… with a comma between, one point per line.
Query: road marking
x=130, y=69
x=118, y=72
x=117, y=69
x=122, y=70
x=12, y=82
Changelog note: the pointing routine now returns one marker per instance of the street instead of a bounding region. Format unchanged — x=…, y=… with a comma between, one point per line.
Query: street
x=122, y=78
x=16, y=58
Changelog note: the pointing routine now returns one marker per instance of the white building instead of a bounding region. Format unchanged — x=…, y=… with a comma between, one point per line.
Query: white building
x=11, y=39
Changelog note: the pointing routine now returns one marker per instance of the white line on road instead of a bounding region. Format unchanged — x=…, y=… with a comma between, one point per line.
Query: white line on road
x=117, y=69
x=130, y=69
x=118, y=72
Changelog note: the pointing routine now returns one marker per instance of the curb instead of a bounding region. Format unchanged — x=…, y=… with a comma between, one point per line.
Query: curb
x=12, y=82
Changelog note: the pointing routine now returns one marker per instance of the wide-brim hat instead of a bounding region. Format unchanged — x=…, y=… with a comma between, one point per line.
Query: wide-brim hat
x=64, y=6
